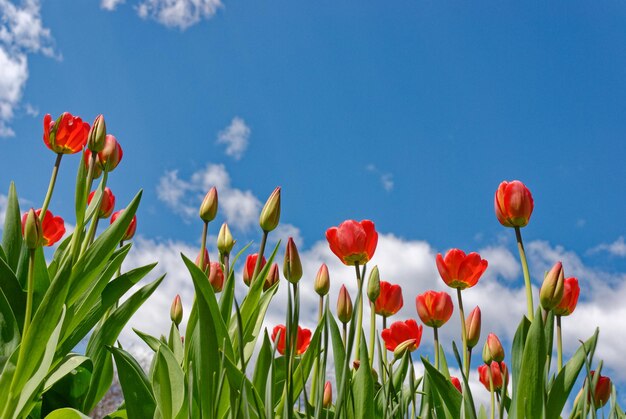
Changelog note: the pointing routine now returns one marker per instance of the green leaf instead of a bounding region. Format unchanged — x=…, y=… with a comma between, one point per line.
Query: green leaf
x=138, y=397
x=228, y=294
x=12, y=290
x=530, y=393
x=517, y=352
x=80, y=195
x=66, y=413
x=175, y=344
x=443, y=386
x=240, y=382
x=168, y=383
x=12, y=232
x=339, y=352
x=66, y=366
x=9, y=330
x=363, y=385
x=263, y=365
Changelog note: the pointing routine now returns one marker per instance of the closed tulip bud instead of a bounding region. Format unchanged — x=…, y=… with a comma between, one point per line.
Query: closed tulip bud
x=571, y=291
x=107, y=203
x=403, y=347
x=203, y=262
x=216, y=276
x=602, y=391
x=208, y=209
x=499, y=375
x=344, y=305
x=273, y=277
x=513, y=204
x=493, y=350
x=472, y=326
x=552, y=287
x=132, y=227
x=322, y=281
x=225, y=242
x=270, y=214
x=434, y=308
x=456, y=383
x=176, y=312
x=373, y=285
x=32, y=230
x=328, y=395
x=111, y=154
x=97, y=135
x=50, y=229
x=248, y=268
x=292, y=267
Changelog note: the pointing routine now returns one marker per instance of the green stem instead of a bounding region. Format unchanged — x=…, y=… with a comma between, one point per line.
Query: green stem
x=316, y=362
x=436, y=341
x=53, y=179
x=95, y=216
x=29, y=292
x=205, y=231
x=559, y=343
x=257, y=266
x=372, y=333
x=386, y=360
x=359, y=322
x=466, y=362
x=491, y=390
x=412, y=383
x=226, y=266
x=345, y=335
x=529, y=290
x=80, y=215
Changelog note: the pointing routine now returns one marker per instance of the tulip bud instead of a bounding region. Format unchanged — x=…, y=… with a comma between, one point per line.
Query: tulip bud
x=225, y=240
x=32, y=230
x=272, y=277
x=493, y=350
x=132, y=227
x=292, y=267
x=216, y=276
x=344, y=305
x=402, y=348
x=97, y=135
x=322, y=281
x=456, y=383
x=472, y=326
x=373, y=285
x=552, y=287
x=208, y=209
x=602, y=391
x=111, y=154
x=328, y=395
x=203, y=262
x=270, y=215
x=176, y=312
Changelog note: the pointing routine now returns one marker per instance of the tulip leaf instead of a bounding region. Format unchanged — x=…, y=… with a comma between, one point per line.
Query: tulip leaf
x=363, y=385
x=517, y=352
x=151, y=341
x=263, y=365
x=9, y=330
x=530, y=392
x=138, y=396
x=12, y=232
x=253, y=328
x=12, y=290
x=339, y=351
x=242, y=383
x=445, y=389
x=66, y=366
x=66, y=413
x=168, y=383
x=228, y=293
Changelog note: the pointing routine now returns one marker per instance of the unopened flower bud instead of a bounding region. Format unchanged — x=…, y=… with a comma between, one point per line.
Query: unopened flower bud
x=203, y=262
x=493, y=350
x=270, y=215
x=273, y=277
x=225, y=240
x=208, y=209
x=97, y=135
x=176, y=312
x=344, y=305
x=403, y=347
x=472, y=326
x=552, y=287
x=292, y=267
x=111, y=154
x=32, y=230
x=216, y=276
x=322, y=281
x=328, y=395
x=373, y=285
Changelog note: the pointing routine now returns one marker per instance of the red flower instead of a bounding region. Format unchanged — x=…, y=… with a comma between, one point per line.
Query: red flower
x=67, y=135
x=456, y=383
x=571, y=291
x=206, y=262
x=216, y=276
x=513, y=203
x=302, y=341
x=434, y=308
x=389, y=301
x=106, y=205
x=353, y=242
x=53, y=228
x=273, y=276
x=498, y=371
x=602, y=391
x=459, y=270
x=108, y=158
x=248, y=268
x=400, y=332
x=130, y=231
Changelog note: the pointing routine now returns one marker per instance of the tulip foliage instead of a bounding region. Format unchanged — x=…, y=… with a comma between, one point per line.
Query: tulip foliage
x=222, y=360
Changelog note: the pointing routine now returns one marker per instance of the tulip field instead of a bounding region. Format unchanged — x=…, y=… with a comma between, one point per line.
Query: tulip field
x=225, y=363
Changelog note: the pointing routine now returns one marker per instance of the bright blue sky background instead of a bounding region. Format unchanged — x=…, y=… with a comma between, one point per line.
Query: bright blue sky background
x=440, y=100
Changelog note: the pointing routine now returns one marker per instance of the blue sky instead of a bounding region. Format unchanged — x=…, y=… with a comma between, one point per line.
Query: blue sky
x=408, y=113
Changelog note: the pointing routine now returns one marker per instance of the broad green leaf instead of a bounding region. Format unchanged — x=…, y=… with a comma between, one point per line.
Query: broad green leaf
x=240, y=382
x=339, y=351
x=517, y=352
x=254, y=327
x=12, y=232
x=168, y=384
x=66, y=366
x=530, y=392
x=263, y=365
x=66, y=413
x=228, y=293
x=447, y=392
x=138, y=396
x=175, y=344
x=9, y=330
x=12, y=290
x=363, y=385
x=151, y=341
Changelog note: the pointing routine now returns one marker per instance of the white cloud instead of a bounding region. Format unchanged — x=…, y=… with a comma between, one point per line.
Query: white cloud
x=110, y=5
x=617, y=248
x=386, y=179
x=235, y=136
x=4, y=201
x=178, y=13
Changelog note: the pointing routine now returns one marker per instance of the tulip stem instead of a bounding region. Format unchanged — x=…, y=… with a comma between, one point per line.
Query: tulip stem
x=522, y=256
x=436, y=337
x=95, y=216
x=80, y=214
x=466, y=362
x=559, y=343
x=29, y=292
x=372, y=333
x=226, y=265
x=53, y=179
x=345, y=333
x=205, y=231
x=491, y=390
x=359, y=323
x=412, y=381
x=316, y=362
x=257, y=266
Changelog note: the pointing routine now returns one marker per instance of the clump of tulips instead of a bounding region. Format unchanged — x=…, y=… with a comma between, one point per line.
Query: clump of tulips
x=224, y=362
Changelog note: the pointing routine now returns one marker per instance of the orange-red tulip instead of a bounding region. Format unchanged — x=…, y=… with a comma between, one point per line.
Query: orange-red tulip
x=400, y=332
x=248, y=268
x=132, y=227
x=513, y=203
x=66, y=135
x=273, y=276
x=499, y=374
x=302, y=341
x=571, y=291
x=52, y=228
x=206, y=262
x=493, y=350
x=456, y=383
x=328, y=395
x=459, y=270
x=344, y=305
x=216, y=276
x=176, y=310
x=389, y=301
x=602, y=391
x=353, y=242
x=107, y=204
x=109, y=157
x=472, y=326
x=434, y=308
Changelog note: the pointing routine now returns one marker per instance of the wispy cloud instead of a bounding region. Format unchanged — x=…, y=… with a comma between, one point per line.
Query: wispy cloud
x=110, y=5
x=386, y=179
x=235, y=137
x=179, y=14
x=617, y=248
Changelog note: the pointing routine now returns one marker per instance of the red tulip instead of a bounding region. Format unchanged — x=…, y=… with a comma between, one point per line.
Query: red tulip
x=97, y=171
x=106, y=205
x=53, y=228
x=493, y=350
x=132, y=227
x=472, y=327
x=273, y=276
x=456, y=383
x=66, y=135
x=389, y=301
x=459, y=270
x=571, y=290
x=248, y=268
x=206, y=262
x=434, y=308
x=344, y=305
x=216, y=276
x=353, y=242
x=401, y=332
x=602, y=391
x=109, y=157
x=302, y=341
x=513, y=203
x=328, y=395
x=498, y=372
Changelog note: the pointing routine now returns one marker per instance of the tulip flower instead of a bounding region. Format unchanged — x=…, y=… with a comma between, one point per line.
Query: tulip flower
x=513, y=204
x=292, y=267
x=328, y=395
x=132, y=227
x=353, y=242
x=568, y=302
x=109, y=157
x=473, y=327
x=203, y=262
x=273, y=276
x=52, y=228
x=602, y=391
x=208, y=208
x=216, y=276
x=493, y=350
x=459, y=270
x=270, y=214
x=322, y=281
x=456, y=383
x=31, y=229
x=302, y=341
x=373, y=284
x=67, y=135
x=107, y=204
x=225, y=242
x=400, y=332
x=97, y=135
x=344, y=305
x=389, y=301
x=176, y=311
x=434, y=308
x=500, y=375
x=248, y=268
x=552, y=287
x=97, y=170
